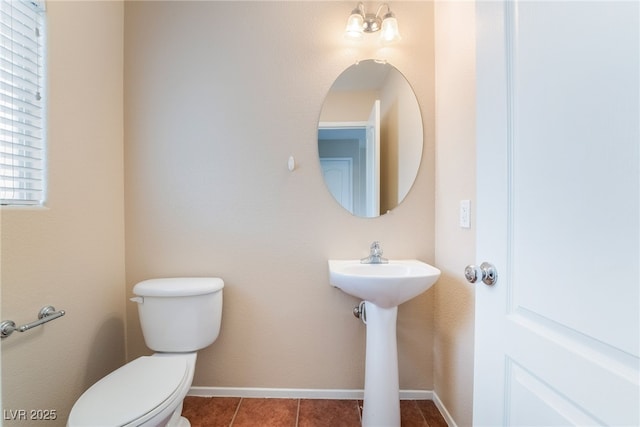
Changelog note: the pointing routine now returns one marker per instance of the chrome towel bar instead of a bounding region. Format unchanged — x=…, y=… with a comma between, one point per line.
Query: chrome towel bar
x=46, y=314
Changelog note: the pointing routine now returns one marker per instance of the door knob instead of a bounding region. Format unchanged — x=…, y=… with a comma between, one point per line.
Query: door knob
x=486, y=272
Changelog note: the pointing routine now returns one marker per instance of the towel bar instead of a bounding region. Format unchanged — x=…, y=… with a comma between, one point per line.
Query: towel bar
x=46, y=314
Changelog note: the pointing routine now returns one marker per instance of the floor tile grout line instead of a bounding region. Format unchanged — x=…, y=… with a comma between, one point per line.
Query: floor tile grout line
x=424, y=418
x=298, y=414
x=235, y=413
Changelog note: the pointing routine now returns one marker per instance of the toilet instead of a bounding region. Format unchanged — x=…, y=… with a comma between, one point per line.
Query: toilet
x=178, y=316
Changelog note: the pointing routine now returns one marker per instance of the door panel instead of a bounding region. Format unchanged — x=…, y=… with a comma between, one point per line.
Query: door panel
x=557, y=338
x=575, y=164
x=338, y=174
x=535, y=403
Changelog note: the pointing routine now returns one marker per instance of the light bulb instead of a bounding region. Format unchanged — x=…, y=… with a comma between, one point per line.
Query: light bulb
x=389, y=32
x=355, y=26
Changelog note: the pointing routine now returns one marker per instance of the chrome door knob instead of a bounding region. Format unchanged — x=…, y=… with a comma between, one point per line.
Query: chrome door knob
x=486, y=272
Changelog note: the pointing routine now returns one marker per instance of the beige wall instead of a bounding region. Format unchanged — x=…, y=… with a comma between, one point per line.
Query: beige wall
x=401, y=121
x=347, y=106
x=219, y=95
x=70, y=254
x=455, y=181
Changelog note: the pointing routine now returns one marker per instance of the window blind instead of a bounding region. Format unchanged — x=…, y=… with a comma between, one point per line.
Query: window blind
x=22, y=118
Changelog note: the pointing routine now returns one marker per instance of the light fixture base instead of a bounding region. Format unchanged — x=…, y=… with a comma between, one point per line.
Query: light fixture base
x=372, y=23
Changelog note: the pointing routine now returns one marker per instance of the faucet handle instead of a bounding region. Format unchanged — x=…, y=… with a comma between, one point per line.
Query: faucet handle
x=375, y=248
x=375, y=255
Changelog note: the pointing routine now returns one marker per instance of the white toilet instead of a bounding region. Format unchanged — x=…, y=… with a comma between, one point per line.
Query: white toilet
x=178, y=317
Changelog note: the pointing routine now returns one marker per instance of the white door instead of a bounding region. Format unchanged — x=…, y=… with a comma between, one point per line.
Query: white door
x=373, y=161
x=338, y=172
x=557, y=337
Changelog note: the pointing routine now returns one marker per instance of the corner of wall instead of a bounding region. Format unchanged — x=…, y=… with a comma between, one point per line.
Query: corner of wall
x=455, y=181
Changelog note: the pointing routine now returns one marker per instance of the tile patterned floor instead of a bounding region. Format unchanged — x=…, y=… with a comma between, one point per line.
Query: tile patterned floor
x=244, y=412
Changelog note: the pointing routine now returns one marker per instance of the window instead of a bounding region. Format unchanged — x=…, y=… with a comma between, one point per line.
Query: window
x=22, y=107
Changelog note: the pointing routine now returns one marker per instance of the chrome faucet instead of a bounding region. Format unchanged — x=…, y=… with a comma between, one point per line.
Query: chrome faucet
x=375, y=255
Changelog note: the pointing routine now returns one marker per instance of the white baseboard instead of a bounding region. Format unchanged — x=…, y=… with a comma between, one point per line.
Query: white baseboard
x=443, y=410
x=275, y=393
x=303, y=393
x=298, y=393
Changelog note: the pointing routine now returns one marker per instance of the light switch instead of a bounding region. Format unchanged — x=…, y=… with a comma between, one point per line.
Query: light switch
x=465, y=213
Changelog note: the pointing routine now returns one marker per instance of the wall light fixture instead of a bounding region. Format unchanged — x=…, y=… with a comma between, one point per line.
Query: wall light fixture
x=360, y=22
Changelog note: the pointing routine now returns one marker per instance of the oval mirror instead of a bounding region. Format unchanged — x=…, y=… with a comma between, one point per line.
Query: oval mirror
x=370, y=138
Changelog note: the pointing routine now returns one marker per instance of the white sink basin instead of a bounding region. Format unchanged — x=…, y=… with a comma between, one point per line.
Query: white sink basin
x=385, y=285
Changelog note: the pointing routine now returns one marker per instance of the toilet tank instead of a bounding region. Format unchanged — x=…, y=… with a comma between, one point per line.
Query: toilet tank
x=179, y=314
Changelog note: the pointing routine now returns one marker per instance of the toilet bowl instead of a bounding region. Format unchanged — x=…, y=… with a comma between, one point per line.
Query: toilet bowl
x=144, y=392
x=178, y=317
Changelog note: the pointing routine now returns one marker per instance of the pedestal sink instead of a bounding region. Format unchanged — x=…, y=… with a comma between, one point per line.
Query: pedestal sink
x=383, y=287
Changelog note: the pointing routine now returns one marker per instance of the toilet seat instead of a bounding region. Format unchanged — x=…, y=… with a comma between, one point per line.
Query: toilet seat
x=135, y=392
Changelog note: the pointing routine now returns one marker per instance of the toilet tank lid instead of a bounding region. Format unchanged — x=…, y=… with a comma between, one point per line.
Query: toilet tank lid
x=178, y=286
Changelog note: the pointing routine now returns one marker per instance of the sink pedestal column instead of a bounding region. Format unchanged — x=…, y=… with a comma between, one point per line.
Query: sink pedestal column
x=381, y=389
